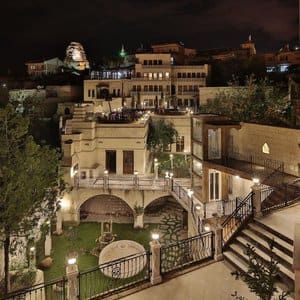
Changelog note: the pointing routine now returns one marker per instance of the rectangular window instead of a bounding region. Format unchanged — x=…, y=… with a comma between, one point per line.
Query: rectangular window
x=160, y=62
x=160, y=76
x=93, y=93
x=167, y=75
x=89, y=93
x=150, y=76
x=198, y=75
x=138, y=88
x=134, y=88
x=193, y=75
x=145, y=62
x=186, y=102
x=160, y=88
x=145, y=88
x=180, y=144
x=178, y=75
x=154, y=75
x=150, y=88
x=179, y=101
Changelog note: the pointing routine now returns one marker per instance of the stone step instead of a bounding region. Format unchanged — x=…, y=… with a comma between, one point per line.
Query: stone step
x=239, y=264
x=285, y=272
x=276, y=234
x=268, y=236
x=263, y=244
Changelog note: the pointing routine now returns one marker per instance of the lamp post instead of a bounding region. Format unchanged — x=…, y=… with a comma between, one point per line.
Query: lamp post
x=156, y=170
x=135, y=179
x=172, y=161
x=105, y=179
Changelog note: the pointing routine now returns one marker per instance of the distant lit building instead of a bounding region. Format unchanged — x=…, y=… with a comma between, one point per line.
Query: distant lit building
x=76, y=57
x=281, y=60
x=156, y=80
x=39, y=68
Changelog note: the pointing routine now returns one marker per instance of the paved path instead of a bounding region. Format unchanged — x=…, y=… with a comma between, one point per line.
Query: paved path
x=213, y=282
x=284, y=220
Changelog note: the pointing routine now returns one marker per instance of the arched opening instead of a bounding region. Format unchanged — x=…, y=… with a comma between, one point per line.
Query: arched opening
x=164, y=206
x=67, y=111
x=106, y=207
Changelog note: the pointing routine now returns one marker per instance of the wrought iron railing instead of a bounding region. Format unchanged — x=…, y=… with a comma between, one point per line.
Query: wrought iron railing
x=279, y=197
x=238, y=218
x=126, y=182
x=115, y=276
x=187, y=252
x=54, y=290
x=181, y=192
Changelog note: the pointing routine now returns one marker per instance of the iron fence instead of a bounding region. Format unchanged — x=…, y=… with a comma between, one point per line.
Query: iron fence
x=53, y=290
x=240, y=215
x=186, y=252
x=279, y=197
x=113, y=277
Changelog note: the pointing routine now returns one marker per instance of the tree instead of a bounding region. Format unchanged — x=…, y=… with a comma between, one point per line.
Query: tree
x=160, y=135
x=29, y=184
x=257, y=102
x=261, y=276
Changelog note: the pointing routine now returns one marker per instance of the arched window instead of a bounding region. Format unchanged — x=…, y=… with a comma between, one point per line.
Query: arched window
x=266, y=148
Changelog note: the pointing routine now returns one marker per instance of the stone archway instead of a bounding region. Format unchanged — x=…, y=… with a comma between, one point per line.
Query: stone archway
x=163, y=206
x=103, y=207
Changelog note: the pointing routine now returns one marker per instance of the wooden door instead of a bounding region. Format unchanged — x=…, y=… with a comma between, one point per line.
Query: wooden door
x=128, y=162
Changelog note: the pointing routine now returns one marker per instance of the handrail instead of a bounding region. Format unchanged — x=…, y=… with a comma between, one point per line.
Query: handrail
x=233, y=223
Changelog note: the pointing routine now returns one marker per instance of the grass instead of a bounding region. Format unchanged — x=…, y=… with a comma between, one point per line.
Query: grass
x=83, y=241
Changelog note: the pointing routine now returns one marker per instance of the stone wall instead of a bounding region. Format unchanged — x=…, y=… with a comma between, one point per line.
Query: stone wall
x=283, y=144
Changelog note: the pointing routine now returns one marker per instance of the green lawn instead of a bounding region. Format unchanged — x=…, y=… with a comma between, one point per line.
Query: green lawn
x=83, y=241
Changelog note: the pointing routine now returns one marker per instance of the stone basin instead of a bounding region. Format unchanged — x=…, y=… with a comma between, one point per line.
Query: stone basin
x=122, y=268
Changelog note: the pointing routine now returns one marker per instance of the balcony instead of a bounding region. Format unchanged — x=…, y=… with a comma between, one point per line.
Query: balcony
x=268, y=171
x=150, y=79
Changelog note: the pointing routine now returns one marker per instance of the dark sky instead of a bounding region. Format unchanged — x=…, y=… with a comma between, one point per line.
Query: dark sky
x=34, y=29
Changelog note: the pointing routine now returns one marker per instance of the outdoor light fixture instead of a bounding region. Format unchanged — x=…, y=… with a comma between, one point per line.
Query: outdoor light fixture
x=198, y=206
x=237, y=176
x=171, y=175
x=190, y=193
x=167, y=174
x=72, y=261
x=136, y=173
x=155, y=160
x=171, y=156
x=105, y=172
x=206, y=227
x=255, y=180
x=32, y=249
x=155, y=236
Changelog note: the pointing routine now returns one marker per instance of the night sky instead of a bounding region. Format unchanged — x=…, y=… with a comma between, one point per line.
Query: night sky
x=34, y=29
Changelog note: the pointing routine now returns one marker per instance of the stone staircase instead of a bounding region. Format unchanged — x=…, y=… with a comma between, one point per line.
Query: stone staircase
x=259, y=236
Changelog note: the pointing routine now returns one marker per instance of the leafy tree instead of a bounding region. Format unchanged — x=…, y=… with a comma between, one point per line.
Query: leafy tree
x=29, y=184
x=160, y=135
x=261, y=276
x=257, y=102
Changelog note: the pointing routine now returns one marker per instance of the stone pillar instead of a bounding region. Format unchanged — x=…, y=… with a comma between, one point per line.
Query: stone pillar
x=72, y=273
x=1, y=261
x=105, y=180
x=218, y=243
x=48, y=244
x=296, y=264
x=256, y=189
x=58, y=223
x=155, y=262
x=138, y=221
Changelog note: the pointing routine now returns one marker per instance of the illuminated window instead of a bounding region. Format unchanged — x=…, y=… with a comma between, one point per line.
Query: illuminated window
x=265, y=148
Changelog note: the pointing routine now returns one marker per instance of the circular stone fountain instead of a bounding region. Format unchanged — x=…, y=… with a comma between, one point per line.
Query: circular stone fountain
x=122, y=268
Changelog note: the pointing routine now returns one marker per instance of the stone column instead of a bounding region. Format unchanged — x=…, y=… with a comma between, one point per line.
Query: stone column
x=218, y=243
x=155, y=262
x=58, y=223
x=138, y=221
x=256, y=189
x=296, y=264
x=1, y=261
x=72, y=273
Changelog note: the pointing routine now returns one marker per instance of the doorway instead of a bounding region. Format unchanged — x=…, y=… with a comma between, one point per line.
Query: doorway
x=128, y=162
x=214, y=185
x=111, y=159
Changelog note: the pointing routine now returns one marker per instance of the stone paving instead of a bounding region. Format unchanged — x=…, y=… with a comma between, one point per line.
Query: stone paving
x=212, y=282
